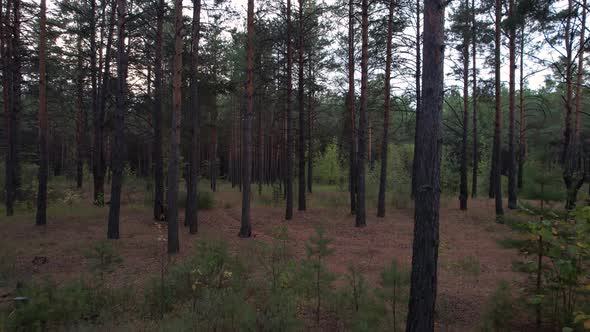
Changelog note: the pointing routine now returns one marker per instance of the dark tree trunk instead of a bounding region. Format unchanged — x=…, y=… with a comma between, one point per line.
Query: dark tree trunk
x=386, y=107
x=351, y=109
x=7, y=93
x=118, y=157
x=99, y=144
x=41, y=217
x=81, y=147
x=157, y=118
x=289, y=120
x=522, y=123
x=463, y=194
x=360, y=220
x=310, y=124
x=300, y=95
x=512, y=200
x=418, y=93
x=246, y=227
x=428, y=157
x=474, y=101
x=496, y=180
x=173, y=176
x=191, y=218
x=98, y=180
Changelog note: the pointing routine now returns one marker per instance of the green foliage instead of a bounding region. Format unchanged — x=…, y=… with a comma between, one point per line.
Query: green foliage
x=499, y=310
x=394, y=292
x=327, y=168
x=48, y=306
x=315, y=279
x=103, y=258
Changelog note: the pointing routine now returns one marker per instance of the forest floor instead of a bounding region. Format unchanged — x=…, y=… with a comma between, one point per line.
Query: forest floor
x=471, y=262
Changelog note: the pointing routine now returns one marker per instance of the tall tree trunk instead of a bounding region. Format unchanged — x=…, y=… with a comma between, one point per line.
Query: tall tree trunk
x=351, y=108
x=360, y=220
x=14, y=145
x=99, y=134
x=192, y=183
x=98, y=179
x=496, y=176
x=522, y=118
x=7, y=93
x=568, y=83
x=300, y=95
x=80, y=116
x=289, y=120
x=246, y=227
x=418, y=93
x=474, y=101
x=157, y=118
x=428, y=157
x=310, y=123
x=512, y=200
x=118, y=157
x=173, y=176
x=386, y=108
x=579, y=77
x=41, y=217
x=463, y=194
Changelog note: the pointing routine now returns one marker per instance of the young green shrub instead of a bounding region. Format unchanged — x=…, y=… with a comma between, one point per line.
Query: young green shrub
x=276, y=296
x=499, y=310
x=357, y=308
x=314, y=277
x=393, y=292
x=102, y=259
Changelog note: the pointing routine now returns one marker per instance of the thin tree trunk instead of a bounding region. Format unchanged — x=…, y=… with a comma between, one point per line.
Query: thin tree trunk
x=300, y=95
x=428, y=158
x=246, y=227
x=157, y=118
x=7, y=93
x=386, y=109
x=310, y=124
x=289, y=120
x=192, y=210
x=579, y=77
x=80, y=116
x=496, y=178
x=463, y=194
x=173, y=176
x=98, y=180
x=474, y=101
x=512, y=199
x=360, y=220
x=522, y=124
x=351, y=108
x=118, y=157
x=418, y=93
x=41, y=217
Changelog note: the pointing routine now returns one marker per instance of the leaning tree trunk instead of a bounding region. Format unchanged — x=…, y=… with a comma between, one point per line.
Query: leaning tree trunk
x=351, y=108
x=512, y=204
x=118, y=157
x=360, y=220
x=157, y=118
x=428, y=158
x=246, y=227
x=192, y=183
x=289, y=120
x=300, y=95
x=41, y=217
x=463, y=194
x=496, y=180
x=173, y=176
x=386, y=107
